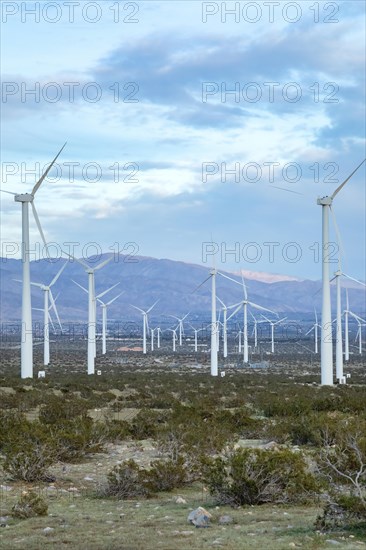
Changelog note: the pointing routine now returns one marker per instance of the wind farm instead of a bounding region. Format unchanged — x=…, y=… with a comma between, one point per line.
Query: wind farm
x=183, y=275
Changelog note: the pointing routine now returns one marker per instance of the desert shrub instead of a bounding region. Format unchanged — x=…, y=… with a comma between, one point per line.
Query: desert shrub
x=58, y=410
x=346, y=511
x=29, y=505
x=29, y=460
x=145, y=424
x=116, y=430
x=78, y=437
x=342, y=459
x=195, y=430
x=27, y=449
x=125, y=481
x=303, y=430
x=166, y=475
x=256, y=476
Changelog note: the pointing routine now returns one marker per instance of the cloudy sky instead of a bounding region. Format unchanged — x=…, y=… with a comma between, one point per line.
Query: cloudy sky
x=181, y=119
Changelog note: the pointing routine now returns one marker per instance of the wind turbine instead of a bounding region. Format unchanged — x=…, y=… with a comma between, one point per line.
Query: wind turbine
x=361, y=323
x=144, y=323
x=48, y=295
x=245, y=304
x=158, y=331
x=326, y=347
x=27, y=335
x=214, y=324
x=196, y=331
x=104, y=306
x=315, y=329
x=91, y=307
x=175, y=337
x=180, y=325
x=273, y=324
x=104, y=311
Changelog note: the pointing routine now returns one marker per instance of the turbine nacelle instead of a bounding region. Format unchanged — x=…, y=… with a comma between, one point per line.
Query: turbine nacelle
x=325, y=201
x=24, y=197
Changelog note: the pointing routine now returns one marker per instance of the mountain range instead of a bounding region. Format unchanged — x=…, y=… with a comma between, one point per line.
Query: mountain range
x=173, y=283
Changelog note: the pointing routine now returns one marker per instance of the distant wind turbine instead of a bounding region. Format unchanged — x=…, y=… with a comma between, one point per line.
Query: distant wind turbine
x=144, y=323
x=315, y=329
x=180, y=325
x=48, y=296
x=245, y=304
x=273, y=324
x=104, y=306
x=91, y=307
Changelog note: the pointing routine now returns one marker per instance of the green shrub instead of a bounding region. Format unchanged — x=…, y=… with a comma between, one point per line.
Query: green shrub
x=345, y=512
x=28, y=451
x=78, y=437
x=125, y=481
x=58, y=410
x=256, y=476
x=166, y=475
x=29, y=505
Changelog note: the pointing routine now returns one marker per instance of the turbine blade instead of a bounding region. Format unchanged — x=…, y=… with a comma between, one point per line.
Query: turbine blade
x=234, y=305
x=55, y=309
x=78, y=260
x=39, y=227
x=256, y=306
x=244, y=286
x=227, y=277
x=345, y=181
x=221, y=302
x=80, y=286
x=148, y=311
x=138, y=309
x=199, y=286
x=58, y=274
x=115, y=298
x=339, y=239
x=33, y=284
x=39, y=182
x=288, y=190
x=102, y=264
x=105, y=291
x=308, y=332
x=8, y=192
x=234, y=312
x=353, y=279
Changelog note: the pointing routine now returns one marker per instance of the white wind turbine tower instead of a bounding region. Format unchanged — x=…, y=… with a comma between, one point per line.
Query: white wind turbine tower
x=104, y=312
x=48, y=296
x=196, y=331
x=315, y=329
x=326, y=348
x=144, y=323
x=91, y=308
x=180, y=325
x=175, y=337
x=214, y=323
x=47, y=319
x=273, y=324
x=158, y=331
x=27, y=336
x=104, y=306
x=152, y=330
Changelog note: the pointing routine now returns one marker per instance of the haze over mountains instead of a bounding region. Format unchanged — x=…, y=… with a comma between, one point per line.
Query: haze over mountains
x=145, y=280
